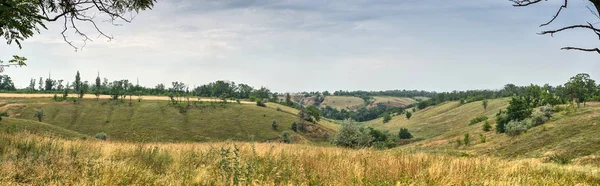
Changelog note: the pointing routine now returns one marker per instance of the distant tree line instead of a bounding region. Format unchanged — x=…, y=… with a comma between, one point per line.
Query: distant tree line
x=361, y=114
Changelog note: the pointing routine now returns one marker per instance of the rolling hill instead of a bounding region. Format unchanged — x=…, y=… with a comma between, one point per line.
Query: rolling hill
x=157, y=121
x=343, y=102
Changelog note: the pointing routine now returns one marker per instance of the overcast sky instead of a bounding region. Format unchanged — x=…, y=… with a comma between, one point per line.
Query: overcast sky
x=289, y=46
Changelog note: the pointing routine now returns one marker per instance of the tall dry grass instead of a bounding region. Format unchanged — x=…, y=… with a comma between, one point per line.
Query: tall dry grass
x=29, y=159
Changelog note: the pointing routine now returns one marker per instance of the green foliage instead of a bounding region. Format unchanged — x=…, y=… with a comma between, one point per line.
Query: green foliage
x=518, y=110
x=581, y=88
x=482, y=138
x=467, y=139
x=294, y=127
x=514, y=128
x=539, y=118
x=486, y=126
x=377, y=135
x=274, y=125
x=404, y=134
x=484, y=103
x=101, y=136
x=408, y=115
x=547, y=110
x=352, y=136
x=260, y=103
x=387, y=117
x=477, y=120
x=39, y=114
x=286, y=137
x=560, y=159
x=313, y=111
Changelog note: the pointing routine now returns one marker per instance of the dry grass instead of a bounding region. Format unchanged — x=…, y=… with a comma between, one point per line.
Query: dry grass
x=29, y=159
x=92, y=96
x=343, y=102
x=393, y=101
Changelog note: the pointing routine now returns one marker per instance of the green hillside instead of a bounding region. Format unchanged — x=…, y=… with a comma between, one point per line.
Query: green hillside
x=569, y=137
x=343, y=102
x=158, y=121
x=13, y=125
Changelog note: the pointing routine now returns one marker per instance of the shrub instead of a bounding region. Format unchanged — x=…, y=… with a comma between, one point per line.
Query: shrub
x=458, y=142
x=101, y=136
x=286, y=137
x=4, y=114
x=260, y=103
x=477, y=120
x=560, y=159
x=501, y=120
x=387, y=117
x=352, y=136
x=274, y=125
x=408, y=115
x=467, y=139
x=547, y=110
x=539, y=118
x=482, y=138
x=278, y=109
x=486, y=126
x=39, y=114
x=514, y=128
x=404, y=134
x=378, y=136
x=295, y=127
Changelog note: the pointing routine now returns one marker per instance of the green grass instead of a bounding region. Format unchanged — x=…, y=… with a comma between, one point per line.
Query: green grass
x=14, y=125
x=343, y=102
x=156, y=121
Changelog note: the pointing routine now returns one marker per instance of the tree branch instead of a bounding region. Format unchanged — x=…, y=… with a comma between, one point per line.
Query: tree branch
x=582, y=49
x=524, y=2
x=557, y=13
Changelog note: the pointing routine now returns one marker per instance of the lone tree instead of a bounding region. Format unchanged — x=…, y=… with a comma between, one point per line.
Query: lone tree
x=408, y=115
x=387, y=117
x=484, y=103
x=21, y=19
x=39, y=114
x=589, y=26
x=404, y=134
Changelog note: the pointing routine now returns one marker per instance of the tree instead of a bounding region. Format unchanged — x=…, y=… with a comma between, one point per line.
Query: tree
x=467, y=139
x=404, y=134
x=588, y=26
x=16, y=60
x=581, y=88
x=31, y=86
x=378, y=136
x=21, y=19
x=288, y=99
x=295, y=127
x=286, y=137
x=387, y=117
x=274, y=125
x=484, y=103
x=97, y=87
x=41, y=84
x=352, y=136
x=77, y=84
x=486, y=126
x=313, y=111
x=518, y=110
x=408, y=115
x=39, y=114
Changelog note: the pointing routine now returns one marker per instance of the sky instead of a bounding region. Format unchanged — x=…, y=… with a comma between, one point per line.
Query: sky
x=294, y=45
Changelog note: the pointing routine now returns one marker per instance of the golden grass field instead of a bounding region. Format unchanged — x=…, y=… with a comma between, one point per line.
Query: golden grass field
x=31, y=159
x=92, y=96
x=393, y=101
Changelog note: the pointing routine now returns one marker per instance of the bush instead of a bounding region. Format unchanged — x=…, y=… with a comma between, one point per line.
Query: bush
x=477, y=120
x=547, y=110
x=101, y=136
x=408, y=115
x=295, y=127
x=501, y=120
x=378, y=136
x=39, y=114
x=387, y=117
x=404, y=134
x=538, y=118
x=260, y=103
x=514, y=128
x=274, y=125
x=286, y=137
x=467, y=139
x=482, y=138
x=352, y=136
x=486, y=126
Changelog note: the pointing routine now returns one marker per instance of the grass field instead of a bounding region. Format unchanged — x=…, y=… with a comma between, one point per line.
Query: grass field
x=29, y=159
x=343, y=102
x=569, y=137
x=393, y=101
x=134, y=98
x=156, y=120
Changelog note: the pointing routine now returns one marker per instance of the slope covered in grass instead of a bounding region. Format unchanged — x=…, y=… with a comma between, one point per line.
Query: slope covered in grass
x=393, y=101
x=45, y=161
x=159, y=121
x=343, y=102
x=13, y=125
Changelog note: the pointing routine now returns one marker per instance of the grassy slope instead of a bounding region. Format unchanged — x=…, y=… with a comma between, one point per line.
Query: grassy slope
x=393, y=101
x=574, y=136
x=19, y=125
x=156, y=121
x=343, y=102
x=44, y=161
